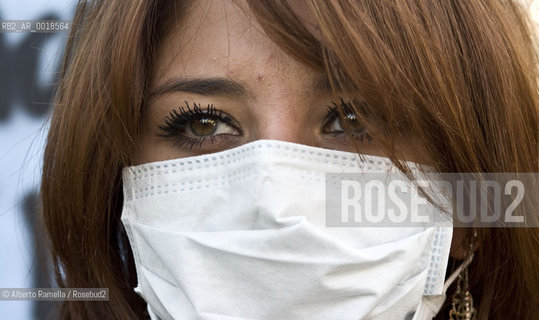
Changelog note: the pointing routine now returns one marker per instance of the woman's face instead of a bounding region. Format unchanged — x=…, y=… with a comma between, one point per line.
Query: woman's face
x=220, y=82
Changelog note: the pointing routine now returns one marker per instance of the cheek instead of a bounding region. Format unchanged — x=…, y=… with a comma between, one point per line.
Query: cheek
x=144, y=150
x=147, y=144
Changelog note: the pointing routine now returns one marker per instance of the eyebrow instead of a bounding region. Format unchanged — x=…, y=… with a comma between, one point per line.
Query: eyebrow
x=222, y=86
x=202, y=86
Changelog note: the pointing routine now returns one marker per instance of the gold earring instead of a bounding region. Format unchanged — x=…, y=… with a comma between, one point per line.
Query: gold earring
x=462, y=304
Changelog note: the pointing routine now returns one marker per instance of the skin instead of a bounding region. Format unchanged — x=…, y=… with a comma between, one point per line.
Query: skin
x=221, y=39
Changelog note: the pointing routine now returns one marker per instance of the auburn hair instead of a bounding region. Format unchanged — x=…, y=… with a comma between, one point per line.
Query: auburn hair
x=460, y=76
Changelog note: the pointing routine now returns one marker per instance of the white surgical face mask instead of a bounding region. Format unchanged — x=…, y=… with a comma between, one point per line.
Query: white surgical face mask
x=241, y=234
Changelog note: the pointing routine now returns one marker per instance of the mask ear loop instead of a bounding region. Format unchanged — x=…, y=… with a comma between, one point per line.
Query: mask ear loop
x=462, y=302
x=430, y=305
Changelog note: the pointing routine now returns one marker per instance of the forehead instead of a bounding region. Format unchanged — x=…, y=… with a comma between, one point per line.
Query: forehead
x=222, y=38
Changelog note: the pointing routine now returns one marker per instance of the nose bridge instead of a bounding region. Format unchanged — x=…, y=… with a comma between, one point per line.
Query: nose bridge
x=282, y=114
x=282, y=125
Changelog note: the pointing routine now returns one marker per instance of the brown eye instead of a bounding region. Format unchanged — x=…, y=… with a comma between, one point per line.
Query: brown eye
x=350, y=121
x=196, y=127
x=353, y=123
x=203, y=126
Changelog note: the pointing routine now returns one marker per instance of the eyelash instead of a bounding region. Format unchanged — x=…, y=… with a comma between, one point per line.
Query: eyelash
x=179, y=119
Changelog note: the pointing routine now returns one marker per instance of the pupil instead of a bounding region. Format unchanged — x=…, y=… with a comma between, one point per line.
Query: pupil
x=203, y=126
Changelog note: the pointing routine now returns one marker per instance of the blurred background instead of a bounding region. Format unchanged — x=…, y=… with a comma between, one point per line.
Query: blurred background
x=29, y=63
x=28, y=66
